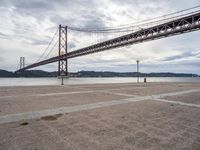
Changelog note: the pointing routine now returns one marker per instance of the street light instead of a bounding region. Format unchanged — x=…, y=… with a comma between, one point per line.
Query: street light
x=62, y=76
x=138, y=71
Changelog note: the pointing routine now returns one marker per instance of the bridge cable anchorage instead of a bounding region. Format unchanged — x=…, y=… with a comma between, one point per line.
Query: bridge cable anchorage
x=51, y=41
x=140, y=24
x=169, y=26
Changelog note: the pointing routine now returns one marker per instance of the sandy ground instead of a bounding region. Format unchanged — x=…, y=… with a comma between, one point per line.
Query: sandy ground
x=101, y=117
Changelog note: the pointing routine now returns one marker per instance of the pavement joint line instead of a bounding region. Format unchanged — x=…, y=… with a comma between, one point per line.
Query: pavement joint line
x=74, y=92
x=176, y=93
x=123, y=88
x=177, y=102
x=52, y=94
x=103, y=86
x=64, y=93
x=38, y=114
x=121, y=94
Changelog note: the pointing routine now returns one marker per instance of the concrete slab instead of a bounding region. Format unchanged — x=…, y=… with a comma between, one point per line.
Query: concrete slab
x=193, y=98
x=140, y=125
x=30, y=90
x=34, y=103
x=157, y=89
x=110, y=119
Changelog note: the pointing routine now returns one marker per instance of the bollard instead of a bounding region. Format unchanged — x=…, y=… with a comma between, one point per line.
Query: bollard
x=62, y=81
x=62, y=76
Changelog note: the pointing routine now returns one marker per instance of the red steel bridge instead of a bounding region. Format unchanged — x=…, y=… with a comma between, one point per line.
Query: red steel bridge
x=165, y=27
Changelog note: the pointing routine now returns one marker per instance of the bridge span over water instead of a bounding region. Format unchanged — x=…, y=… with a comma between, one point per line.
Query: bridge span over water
x=150, y=30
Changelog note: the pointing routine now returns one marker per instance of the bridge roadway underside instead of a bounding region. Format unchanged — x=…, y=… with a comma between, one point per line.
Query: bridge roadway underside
x=101, y=116
x=179, y=26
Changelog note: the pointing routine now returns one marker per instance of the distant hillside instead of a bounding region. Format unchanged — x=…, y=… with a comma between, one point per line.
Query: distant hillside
x=35, y=73
x=29, y=73
x=40, y=73
x=4, y=73
x=131, y=74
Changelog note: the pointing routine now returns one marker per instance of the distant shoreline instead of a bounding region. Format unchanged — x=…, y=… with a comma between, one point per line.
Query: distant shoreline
x=95, y=74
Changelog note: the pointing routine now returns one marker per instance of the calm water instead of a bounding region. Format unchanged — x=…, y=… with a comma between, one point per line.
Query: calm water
x=56, y=81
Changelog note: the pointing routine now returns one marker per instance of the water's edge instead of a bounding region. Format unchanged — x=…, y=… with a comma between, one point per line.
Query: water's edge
x=68, y=81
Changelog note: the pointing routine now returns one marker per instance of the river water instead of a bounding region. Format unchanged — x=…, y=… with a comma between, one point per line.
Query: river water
x=56, y=81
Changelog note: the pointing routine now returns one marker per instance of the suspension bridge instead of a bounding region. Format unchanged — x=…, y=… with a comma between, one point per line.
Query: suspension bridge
x=180, y=22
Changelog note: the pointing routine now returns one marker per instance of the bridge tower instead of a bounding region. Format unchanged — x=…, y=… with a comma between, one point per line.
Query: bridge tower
x=22, y=62
x=62, y=49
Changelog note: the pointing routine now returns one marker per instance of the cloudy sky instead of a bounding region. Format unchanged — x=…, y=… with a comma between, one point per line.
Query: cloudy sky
x=26, y=27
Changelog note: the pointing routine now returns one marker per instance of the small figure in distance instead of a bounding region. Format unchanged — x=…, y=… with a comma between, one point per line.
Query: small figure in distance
x=145, y=80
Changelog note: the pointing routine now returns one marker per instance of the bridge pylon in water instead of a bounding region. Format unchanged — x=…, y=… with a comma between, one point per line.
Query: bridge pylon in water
x=62, y=50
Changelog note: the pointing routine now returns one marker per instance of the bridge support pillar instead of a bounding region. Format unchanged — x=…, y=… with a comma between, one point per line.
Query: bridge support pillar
x=62, y=49
x=22, y=62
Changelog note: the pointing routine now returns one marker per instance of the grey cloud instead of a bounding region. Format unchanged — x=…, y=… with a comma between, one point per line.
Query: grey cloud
x=82, y=14
x=4, y=3
x=37, y=4
x=39, y=42
x=71, y=45
x=183, y=55
x=4, y=36
x=136, y=2
x=1, y=59
x=75, y=13
x=63, y=20
x=194, y=64
x=143, y=6
x=35, y=8
x=94, y=22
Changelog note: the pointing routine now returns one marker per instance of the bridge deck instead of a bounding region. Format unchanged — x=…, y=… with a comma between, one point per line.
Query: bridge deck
x=102, y=116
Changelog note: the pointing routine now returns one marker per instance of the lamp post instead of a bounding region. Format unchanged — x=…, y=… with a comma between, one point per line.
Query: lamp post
x=138, y=71
x=62, y=76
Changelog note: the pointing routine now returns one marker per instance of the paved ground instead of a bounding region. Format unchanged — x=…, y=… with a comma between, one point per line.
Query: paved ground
x=101, y=117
